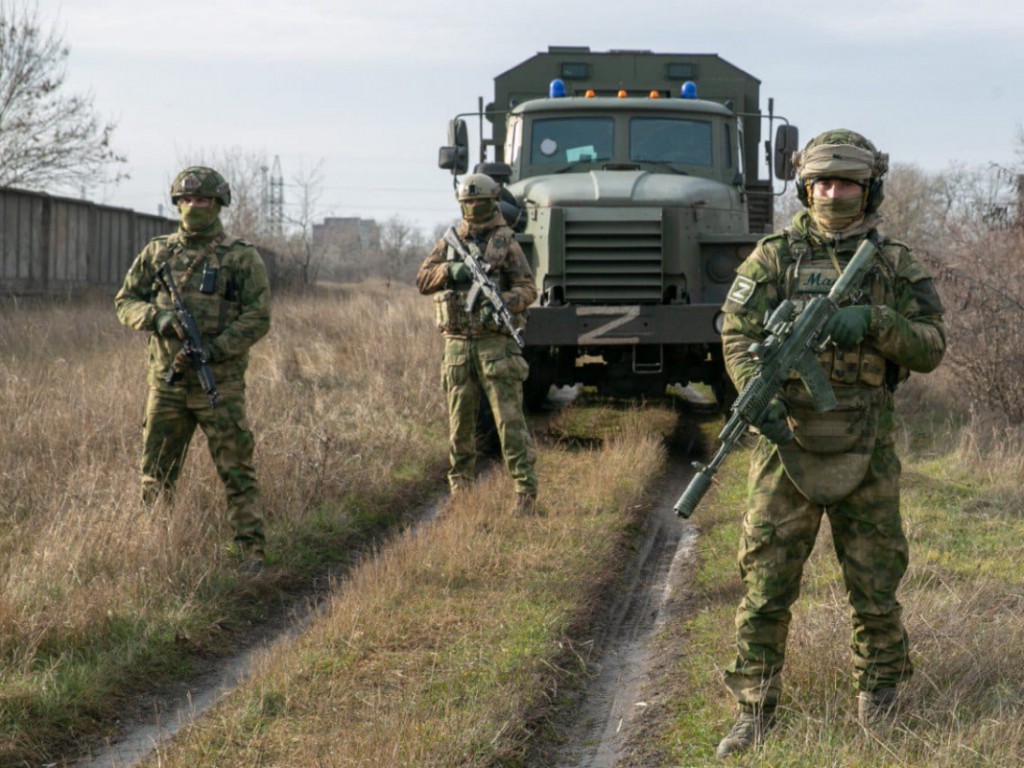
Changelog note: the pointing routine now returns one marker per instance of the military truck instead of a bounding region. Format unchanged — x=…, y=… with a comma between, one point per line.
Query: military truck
x=631, y=180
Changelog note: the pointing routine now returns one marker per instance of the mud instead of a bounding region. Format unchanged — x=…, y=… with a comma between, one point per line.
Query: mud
x=596, y=734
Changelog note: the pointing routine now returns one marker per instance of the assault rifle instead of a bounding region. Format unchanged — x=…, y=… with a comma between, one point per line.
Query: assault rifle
x=192, y=340
x=792, y=345
x=482, y=283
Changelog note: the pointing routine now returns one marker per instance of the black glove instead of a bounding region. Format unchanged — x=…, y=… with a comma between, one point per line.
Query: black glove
x=773, y=425
x=849, y=325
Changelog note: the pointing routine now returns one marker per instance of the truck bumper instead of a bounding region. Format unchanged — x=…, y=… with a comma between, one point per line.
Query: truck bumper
x=583, y=326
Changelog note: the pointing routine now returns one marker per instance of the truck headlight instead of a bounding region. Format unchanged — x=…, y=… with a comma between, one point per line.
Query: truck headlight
x=719, y=322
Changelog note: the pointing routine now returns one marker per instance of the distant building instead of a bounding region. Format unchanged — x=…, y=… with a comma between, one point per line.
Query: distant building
x=346, y=233
x=348, y=247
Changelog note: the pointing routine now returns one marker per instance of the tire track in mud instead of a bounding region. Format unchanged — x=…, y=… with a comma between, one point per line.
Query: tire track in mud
x=596, y=733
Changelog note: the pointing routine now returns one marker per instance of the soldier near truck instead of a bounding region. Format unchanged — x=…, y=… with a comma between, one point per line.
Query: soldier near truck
x=481, y=357
x=841, y=462
x=224, y=286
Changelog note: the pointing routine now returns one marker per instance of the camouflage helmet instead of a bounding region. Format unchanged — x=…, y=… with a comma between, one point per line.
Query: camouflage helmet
x=841, y=154
x=198, y=181
x=477, y=186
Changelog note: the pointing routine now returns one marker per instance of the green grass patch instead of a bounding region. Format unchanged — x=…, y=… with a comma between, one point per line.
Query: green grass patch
x=963, y=610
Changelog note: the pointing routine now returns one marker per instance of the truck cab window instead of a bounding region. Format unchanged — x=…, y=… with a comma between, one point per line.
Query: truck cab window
x=670, y=140
x=571, y=140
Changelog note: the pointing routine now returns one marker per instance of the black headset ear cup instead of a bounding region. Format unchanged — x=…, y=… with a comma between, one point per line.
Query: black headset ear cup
x=801, y=192
x=876, y=194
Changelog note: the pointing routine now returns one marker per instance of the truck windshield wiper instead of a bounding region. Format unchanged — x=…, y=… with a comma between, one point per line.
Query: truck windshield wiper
x=666, y=164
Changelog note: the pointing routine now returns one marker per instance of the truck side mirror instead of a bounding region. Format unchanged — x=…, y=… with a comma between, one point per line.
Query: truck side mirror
x=455, y=156
x=787, y=141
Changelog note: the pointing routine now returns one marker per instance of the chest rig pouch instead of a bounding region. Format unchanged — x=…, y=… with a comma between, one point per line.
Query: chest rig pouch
x=831, y=451
x=450, y=310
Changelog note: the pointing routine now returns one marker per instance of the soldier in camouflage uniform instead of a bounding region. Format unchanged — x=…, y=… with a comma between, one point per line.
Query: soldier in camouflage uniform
x=841, y=462
x=479, y=354
x=223, y=283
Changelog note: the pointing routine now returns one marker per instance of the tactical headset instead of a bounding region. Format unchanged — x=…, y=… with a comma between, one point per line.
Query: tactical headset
x=876, y=193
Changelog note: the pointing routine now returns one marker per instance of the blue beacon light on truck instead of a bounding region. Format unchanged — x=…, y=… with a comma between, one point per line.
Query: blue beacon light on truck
x=688, y=90
x=557, y=89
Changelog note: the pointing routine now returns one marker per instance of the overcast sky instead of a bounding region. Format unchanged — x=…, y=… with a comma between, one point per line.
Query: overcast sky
x=367, y=87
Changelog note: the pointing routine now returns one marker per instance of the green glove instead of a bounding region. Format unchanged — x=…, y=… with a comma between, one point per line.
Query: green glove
x=849, y=325
x=167, y=325
x=459, y=272
x=487, y=318
x=773, y=424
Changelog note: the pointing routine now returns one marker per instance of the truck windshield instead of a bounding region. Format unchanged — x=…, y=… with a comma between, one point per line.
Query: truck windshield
x=669, y=140
x=571, y=140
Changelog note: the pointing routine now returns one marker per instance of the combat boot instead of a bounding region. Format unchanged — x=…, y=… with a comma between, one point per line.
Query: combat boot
x=876, y=708
x=748, y=732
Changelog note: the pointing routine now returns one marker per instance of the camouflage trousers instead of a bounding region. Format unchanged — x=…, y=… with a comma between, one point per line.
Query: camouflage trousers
x=491, y=365
x=779, y=532
x=172, y=414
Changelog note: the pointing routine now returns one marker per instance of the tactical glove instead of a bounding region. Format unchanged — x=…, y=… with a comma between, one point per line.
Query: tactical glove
x=773, y=424
x=487, y=317
x=459, y=272
x=167, y=325
x=182, y=362
x=849, y=325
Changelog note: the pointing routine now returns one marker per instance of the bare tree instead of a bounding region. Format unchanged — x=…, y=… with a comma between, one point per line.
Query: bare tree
x=47, y=137
x=305, y=256
x=402, y=247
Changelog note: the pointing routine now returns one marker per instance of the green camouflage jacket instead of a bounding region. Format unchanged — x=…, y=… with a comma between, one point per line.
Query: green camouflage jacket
x=906, y=332
x=231, y=319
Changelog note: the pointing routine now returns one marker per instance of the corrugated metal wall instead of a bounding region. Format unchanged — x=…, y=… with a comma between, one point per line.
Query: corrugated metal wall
x=57, y=245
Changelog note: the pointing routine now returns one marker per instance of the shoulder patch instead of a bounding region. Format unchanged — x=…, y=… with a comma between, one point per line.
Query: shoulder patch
x=742, y=289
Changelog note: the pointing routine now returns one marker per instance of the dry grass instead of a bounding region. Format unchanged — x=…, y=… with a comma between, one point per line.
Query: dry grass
x=963, y=601
x=440, y=650
x=93, y=587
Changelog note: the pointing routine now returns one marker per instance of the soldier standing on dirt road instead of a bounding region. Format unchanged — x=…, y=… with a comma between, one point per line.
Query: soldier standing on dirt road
x=479, y=354
x=841, y=462
x=224, y=285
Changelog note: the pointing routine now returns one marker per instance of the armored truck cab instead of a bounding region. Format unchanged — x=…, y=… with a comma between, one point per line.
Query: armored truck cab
x=634, y=201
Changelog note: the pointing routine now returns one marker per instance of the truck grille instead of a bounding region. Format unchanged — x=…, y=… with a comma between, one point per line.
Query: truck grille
x=613, y=261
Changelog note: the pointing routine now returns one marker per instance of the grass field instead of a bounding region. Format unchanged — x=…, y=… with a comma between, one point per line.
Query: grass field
x=963, y=601
x=453, y=643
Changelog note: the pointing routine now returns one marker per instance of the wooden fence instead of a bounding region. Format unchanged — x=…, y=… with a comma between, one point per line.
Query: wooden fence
x=56, y=245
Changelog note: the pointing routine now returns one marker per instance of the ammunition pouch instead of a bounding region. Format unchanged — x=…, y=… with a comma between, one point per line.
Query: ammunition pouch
x=450, y=314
